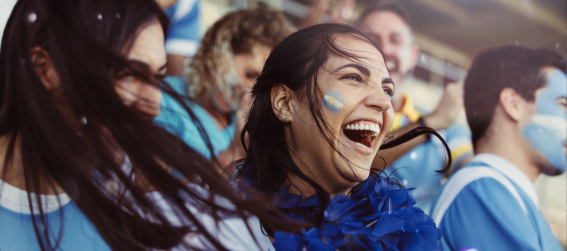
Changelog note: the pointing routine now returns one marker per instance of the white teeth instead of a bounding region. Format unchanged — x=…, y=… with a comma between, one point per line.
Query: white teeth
x=375, y=128
x=390, y=65
x=361, y=144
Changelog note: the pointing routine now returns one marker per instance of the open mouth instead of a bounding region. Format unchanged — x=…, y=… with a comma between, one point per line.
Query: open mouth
x=391, y=64
x=362, y=133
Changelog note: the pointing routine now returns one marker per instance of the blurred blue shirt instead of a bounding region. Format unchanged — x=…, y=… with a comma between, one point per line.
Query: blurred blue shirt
x=491, y=205
x=17, y=230
x=174, y=118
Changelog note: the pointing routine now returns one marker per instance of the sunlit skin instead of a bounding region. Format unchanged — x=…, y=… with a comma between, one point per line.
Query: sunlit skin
x=367, y=88
x=148, y=48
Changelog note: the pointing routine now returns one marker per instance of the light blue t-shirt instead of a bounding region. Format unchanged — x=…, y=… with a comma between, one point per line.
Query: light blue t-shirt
x=176, y=120
x=491, y=205
x=183, y=35
x=16, y=225
x=79, y=234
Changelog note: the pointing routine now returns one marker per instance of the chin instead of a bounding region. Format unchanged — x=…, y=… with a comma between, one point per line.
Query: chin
x=355, y=173
x=549, y=170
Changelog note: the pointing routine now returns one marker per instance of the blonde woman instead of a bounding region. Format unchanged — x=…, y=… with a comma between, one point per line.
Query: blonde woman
x=223, y=70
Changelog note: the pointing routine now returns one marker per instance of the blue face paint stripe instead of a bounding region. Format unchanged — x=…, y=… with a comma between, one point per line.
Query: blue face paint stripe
x=556, y=88
x=543, y=133
x=333, y=101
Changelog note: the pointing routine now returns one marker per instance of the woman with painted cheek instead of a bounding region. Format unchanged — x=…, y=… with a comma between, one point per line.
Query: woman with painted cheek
x=82, y=166
x=220, y=77
x=547, y=131
x=319, y=116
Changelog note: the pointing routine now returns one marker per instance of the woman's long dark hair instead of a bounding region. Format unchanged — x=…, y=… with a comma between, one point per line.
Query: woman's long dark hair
x=295, y=63
x=87, y=41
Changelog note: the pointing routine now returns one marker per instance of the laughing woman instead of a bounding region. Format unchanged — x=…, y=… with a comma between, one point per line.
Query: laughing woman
x=321, y=110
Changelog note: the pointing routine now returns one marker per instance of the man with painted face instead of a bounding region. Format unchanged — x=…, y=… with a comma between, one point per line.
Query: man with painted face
x=515, y=101
x=414, y=163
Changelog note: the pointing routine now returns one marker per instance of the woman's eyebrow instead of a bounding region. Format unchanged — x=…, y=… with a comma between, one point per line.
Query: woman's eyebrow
x=360, y=68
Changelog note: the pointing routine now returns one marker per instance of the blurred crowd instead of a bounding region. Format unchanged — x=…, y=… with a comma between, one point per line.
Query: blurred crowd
x=258, y=134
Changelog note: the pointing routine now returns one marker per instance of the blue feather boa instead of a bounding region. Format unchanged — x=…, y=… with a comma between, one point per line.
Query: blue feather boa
x=376, y=217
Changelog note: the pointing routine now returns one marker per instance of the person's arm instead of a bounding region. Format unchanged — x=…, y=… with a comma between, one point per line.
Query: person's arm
x=486, y=216
x=444, y=115
x=164, y=4
x=320, y=8
x=176, y=65
x=183, y=36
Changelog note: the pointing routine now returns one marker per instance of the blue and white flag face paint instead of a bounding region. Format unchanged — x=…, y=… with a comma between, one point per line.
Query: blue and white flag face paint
x=333, y=101
x=548, y=131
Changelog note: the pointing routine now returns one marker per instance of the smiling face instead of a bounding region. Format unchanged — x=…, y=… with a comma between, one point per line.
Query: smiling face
x=356, y=106
x=148, y=52
x=394, y=36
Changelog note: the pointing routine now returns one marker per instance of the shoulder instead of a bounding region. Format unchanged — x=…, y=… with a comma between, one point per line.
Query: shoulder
x=476, y=184
x=457, y=130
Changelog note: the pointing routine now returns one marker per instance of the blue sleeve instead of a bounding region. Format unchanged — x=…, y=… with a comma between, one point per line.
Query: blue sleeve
x=175, y=119
x=183, y=35
x=485, y=216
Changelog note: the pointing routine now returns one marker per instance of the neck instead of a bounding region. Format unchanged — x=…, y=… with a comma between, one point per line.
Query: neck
x=508, y=144
x=12, y=172
x=299, y=186
x=221, y=118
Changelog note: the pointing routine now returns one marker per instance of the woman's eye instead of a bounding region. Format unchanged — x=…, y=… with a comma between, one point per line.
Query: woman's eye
x=353, y=77
x=389, y=91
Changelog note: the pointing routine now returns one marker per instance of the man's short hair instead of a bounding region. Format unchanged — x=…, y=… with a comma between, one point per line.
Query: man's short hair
x=387, y=5
x=512, y=66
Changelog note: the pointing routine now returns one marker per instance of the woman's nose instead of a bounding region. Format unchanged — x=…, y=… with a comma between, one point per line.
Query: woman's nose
x=379, y=100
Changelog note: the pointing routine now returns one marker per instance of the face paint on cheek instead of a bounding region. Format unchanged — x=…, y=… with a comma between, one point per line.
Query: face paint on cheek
x=333, y=101
x=547, y=133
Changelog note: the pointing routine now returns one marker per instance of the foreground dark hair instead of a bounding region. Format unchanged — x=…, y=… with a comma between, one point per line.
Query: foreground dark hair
x=87, y=41
x=512, y=66
x=295, y=63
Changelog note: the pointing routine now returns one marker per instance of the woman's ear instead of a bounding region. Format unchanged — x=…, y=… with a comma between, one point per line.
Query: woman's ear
x=281, y=103
x=44, y=67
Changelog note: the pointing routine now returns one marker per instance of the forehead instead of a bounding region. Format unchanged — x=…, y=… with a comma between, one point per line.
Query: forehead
x=385, y=22
x=556, y=81
x=363, y=52
x=149, y=46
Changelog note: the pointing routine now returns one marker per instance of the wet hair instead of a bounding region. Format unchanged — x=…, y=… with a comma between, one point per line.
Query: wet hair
x=387, y=5
x=87, y=41
x=511, y=66
x=268, y=155
x=235, y=33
